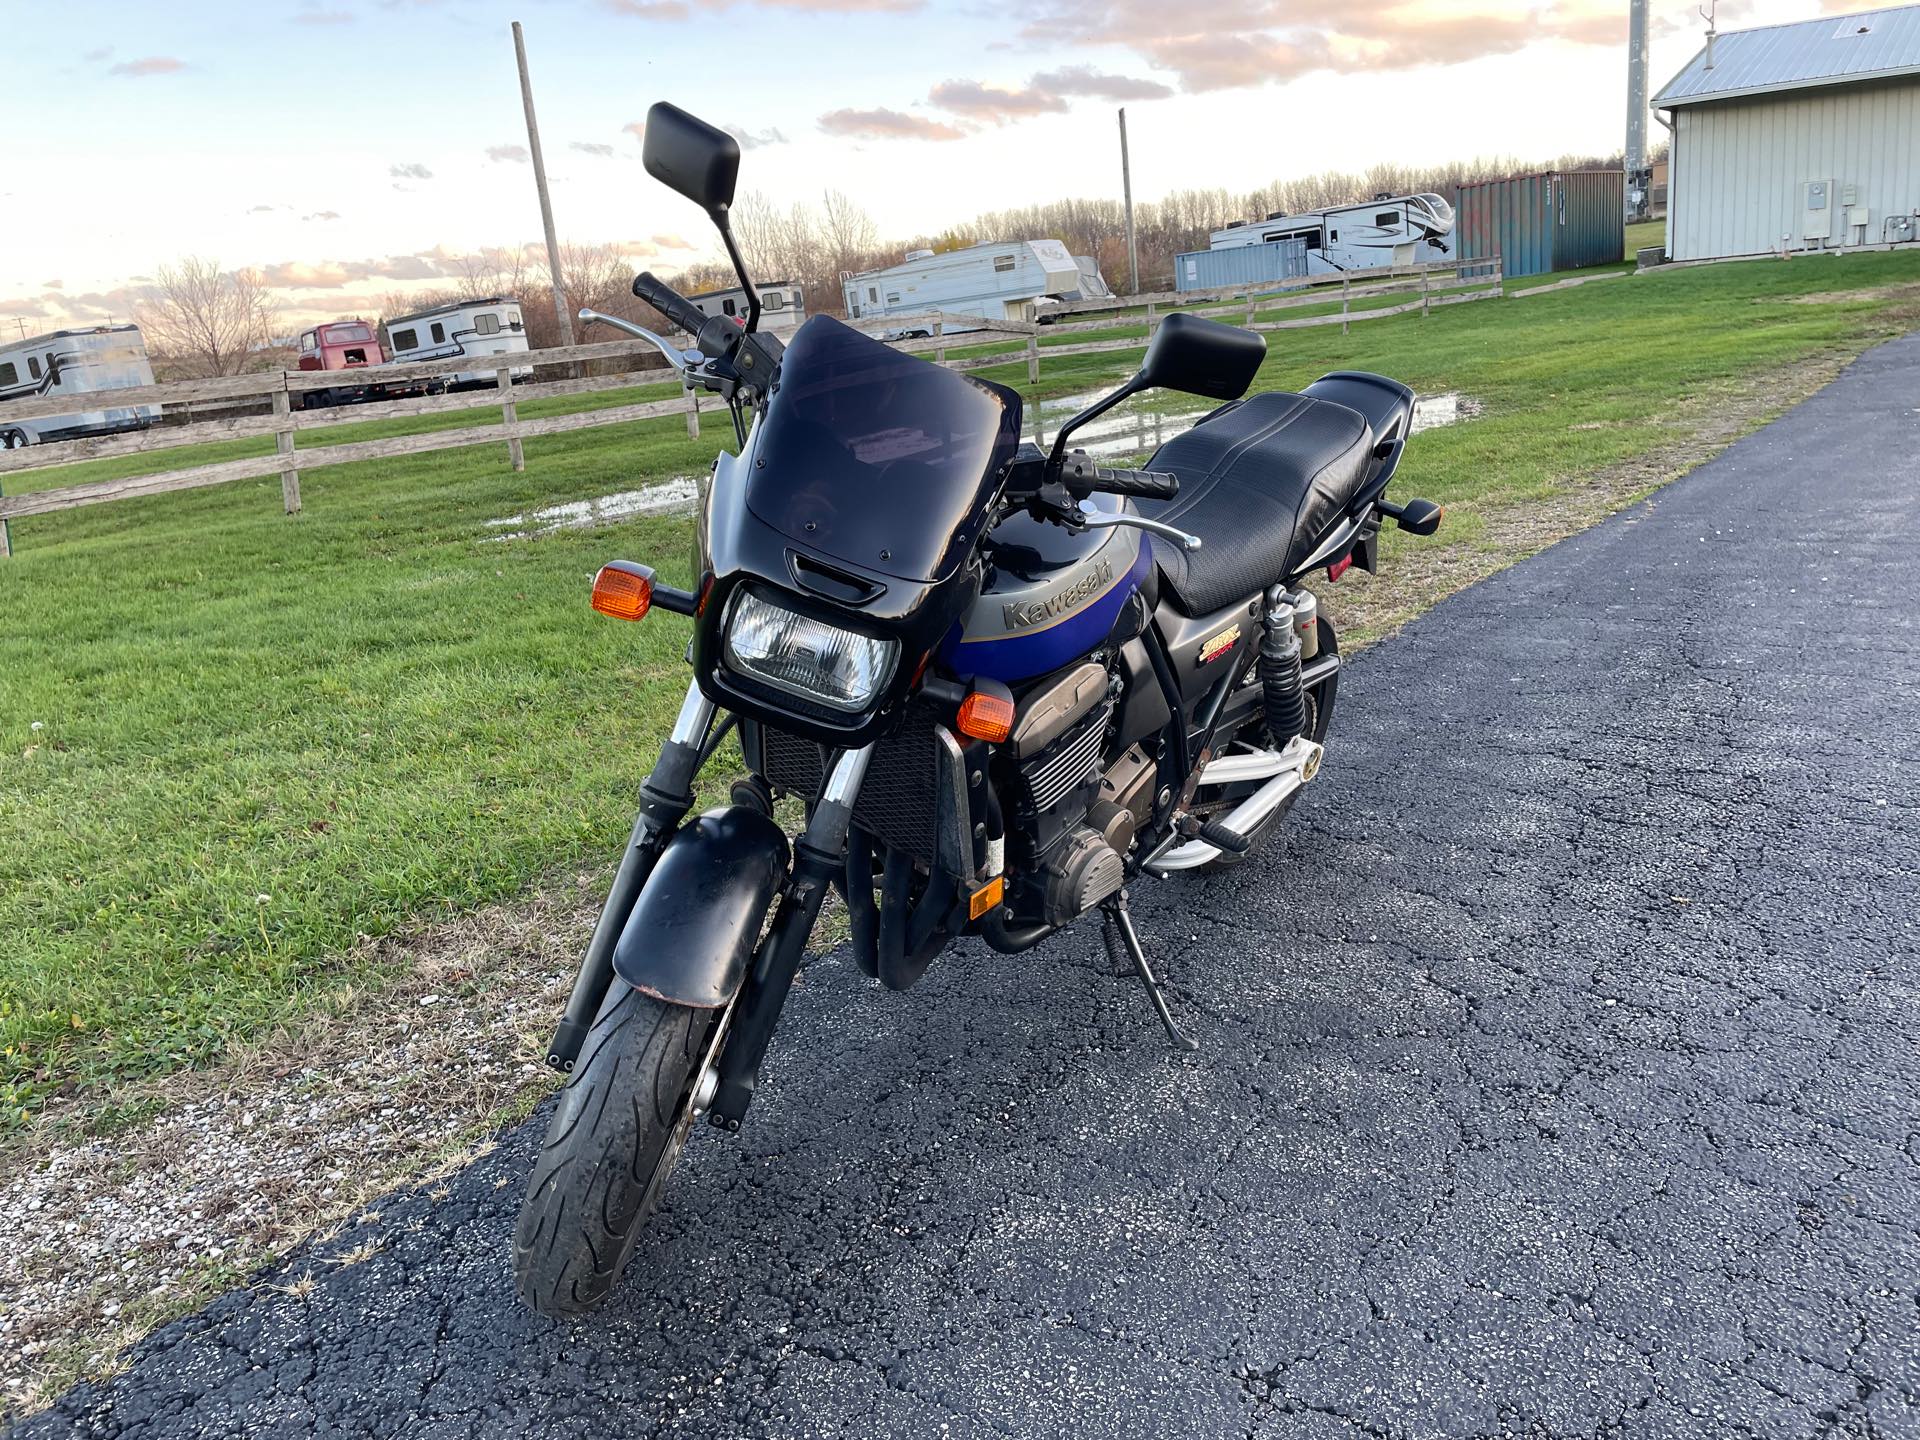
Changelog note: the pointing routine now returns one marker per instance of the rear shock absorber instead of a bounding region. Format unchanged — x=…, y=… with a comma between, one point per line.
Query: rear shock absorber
x=1285, y=697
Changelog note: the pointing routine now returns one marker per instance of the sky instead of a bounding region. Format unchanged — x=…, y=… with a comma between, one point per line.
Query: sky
x=348, y=147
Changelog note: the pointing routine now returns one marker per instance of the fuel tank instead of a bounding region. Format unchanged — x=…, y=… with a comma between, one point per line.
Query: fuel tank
x=1051, y=595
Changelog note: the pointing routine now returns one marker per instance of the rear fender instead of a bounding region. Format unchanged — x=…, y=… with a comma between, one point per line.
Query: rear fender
x=693, y=929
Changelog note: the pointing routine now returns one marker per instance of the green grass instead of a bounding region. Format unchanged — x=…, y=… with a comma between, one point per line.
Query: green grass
x=259, y=738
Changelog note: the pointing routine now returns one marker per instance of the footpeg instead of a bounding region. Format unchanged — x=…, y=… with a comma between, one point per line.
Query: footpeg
x=1120, y=924
x=1232, y=841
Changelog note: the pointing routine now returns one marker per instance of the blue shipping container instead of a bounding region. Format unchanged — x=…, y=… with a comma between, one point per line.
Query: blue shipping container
x=1277, y=260
x=1562, y=220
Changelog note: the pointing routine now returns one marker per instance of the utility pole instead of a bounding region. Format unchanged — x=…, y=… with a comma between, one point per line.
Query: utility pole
x=540, y=183
x=1639, y=173
x=1126, y=185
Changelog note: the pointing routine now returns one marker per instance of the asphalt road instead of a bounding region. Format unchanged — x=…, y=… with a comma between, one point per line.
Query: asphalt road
x=1560, y=1077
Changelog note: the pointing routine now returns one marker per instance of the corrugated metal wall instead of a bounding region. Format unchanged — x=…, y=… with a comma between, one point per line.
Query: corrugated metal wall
x=1240, y=265
x=1739, y=165
x=1537, y=223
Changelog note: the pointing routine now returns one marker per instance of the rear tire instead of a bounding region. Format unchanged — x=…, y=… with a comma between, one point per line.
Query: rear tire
x=13, y=439
x=621, y=1124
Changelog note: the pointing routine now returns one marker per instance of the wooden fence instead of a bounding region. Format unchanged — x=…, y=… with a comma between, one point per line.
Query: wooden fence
x=1426, y=286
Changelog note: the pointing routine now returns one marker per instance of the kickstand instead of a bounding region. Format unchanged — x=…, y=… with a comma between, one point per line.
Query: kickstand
x=1119, y=922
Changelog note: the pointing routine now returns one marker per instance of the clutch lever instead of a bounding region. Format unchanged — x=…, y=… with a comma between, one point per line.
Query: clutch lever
x=684, y=361
x=1109, y=519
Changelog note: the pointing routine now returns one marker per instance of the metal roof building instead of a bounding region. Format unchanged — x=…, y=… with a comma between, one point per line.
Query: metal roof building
x=1799, y=137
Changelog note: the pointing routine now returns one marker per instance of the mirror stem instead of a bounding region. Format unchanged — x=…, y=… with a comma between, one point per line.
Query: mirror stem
x=1092, y=412
x=721, y=223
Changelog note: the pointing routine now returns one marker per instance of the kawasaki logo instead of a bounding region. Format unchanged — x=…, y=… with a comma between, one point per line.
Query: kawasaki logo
x=1033, y=612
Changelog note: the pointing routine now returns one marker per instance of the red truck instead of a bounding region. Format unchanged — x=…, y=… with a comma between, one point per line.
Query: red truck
x=348, y=345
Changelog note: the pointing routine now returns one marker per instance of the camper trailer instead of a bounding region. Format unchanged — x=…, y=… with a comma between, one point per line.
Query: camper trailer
x=464, y=327
x=1387, y=230
x=73, y=362
x=1000, y=281
x=782, y=305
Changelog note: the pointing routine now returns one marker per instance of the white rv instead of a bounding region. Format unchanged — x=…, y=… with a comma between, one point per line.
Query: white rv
x=464, y=327
x=1000, y=281
x=1388, y=230
x=782, y=305
x=73, y=362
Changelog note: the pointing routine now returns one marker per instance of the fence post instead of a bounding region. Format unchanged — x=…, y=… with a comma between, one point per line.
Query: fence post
x=283, y=442
x=1499, y=277
x=6, y=532
x=1033, y=359
x=510, y=417
x=939, y=342
x=1151, y=322
x=1345, y=285
x=1426, y=307
x=1249, y=309
x=693, y=413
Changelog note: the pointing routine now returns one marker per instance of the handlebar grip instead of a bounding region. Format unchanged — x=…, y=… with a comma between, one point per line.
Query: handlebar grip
x=1142, y=484
x=668, y=301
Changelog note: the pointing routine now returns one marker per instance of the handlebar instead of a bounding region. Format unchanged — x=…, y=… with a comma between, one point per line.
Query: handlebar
x=668, y=301
x=1142, y=484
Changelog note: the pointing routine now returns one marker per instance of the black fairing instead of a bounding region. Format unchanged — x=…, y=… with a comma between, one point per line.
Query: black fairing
x=859, y=498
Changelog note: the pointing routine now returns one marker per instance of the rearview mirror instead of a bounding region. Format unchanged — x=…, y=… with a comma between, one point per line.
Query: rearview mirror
x=1201, y=357
x=685, y=153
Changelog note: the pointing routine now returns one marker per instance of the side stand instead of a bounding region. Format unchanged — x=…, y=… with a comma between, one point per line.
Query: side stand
x=1120, y=923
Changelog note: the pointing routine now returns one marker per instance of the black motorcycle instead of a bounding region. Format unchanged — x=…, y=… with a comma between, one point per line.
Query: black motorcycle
x=1007, y=685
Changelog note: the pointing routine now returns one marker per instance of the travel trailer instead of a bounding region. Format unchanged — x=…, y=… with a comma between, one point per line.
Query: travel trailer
x=73, y=362
x=1387, y=230
x=1092, y=286
x=348, y=346
x=783, y=305
x=1003, y=280
x=463, y=327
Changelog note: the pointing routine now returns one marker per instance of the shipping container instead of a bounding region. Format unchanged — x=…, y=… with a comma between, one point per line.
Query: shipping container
x=1277, y=260
x=1562, y=220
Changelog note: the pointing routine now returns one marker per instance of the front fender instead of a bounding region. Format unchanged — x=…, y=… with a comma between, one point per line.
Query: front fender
x=702, y=909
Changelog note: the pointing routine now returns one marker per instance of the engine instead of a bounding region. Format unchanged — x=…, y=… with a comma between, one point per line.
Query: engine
x=1068, y=832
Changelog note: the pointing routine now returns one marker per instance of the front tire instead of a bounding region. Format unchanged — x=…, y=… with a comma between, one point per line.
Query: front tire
x=621, y=1124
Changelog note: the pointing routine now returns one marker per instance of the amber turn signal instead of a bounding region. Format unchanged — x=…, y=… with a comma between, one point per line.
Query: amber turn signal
x=623, y=590
x=986, y=897
x=985, y=716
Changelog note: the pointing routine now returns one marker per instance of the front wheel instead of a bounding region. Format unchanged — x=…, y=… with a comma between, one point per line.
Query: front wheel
x=622, y=1122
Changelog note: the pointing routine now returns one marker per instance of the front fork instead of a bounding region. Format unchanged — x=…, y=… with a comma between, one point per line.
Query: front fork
x=819, y=854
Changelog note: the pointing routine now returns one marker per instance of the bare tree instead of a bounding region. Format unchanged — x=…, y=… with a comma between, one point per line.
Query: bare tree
x=209, y=320
x=849, y=233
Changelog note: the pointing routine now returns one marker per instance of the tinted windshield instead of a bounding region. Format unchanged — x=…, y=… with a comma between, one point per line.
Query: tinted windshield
x=879, y=458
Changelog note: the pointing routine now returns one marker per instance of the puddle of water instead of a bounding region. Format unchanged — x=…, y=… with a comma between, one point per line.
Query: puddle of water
x=1430, y=412
x=1139, y=428
x=679, y=494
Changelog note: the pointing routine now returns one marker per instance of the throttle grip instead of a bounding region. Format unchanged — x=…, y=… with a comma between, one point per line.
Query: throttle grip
x=668, y=301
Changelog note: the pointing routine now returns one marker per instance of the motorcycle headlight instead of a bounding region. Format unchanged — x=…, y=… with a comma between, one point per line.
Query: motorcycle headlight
x=841, y=669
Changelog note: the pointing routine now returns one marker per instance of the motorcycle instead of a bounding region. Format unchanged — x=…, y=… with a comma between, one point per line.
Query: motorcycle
x=1008, y=684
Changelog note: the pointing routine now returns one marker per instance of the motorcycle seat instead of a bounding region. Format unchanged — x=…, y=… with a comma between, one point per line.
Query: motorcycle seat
x=1261, y=481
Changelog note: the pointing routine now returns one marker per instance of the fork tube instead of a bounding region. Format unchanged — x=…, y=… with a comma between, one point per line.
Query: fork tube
x=665, y=798
x=819, y=853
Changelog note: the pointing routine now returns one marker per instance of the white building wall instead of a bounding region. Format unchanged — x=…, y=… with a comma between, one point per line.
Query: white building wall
x=1740, y=165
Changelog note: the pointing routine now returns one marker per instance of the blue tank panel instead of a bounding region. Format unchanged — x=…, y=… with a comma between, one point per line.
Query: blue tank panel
x=1044, y=645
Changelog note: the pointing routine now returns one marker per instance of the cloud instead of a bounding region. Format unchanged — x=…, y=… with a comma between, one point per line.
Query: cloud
x=322, y=215
x=410, y=171
x=314, y=15
x=22, y=309
x=338, y=274
x=517, y=154
x=591, y=148
x=985, y=102
x=1085, y=80
x=648, y=9
x=53, y=284
x=149, y=65
x=883, y=124
x=1233, y=44
x=262, y=209
x=676, y=10
x=635, y=128
x=752, y=139
x=94, y=57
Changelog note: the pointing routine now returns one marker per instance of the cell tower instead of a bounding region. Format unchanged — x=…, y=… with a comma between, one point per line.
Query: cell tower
x=1639, y=172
